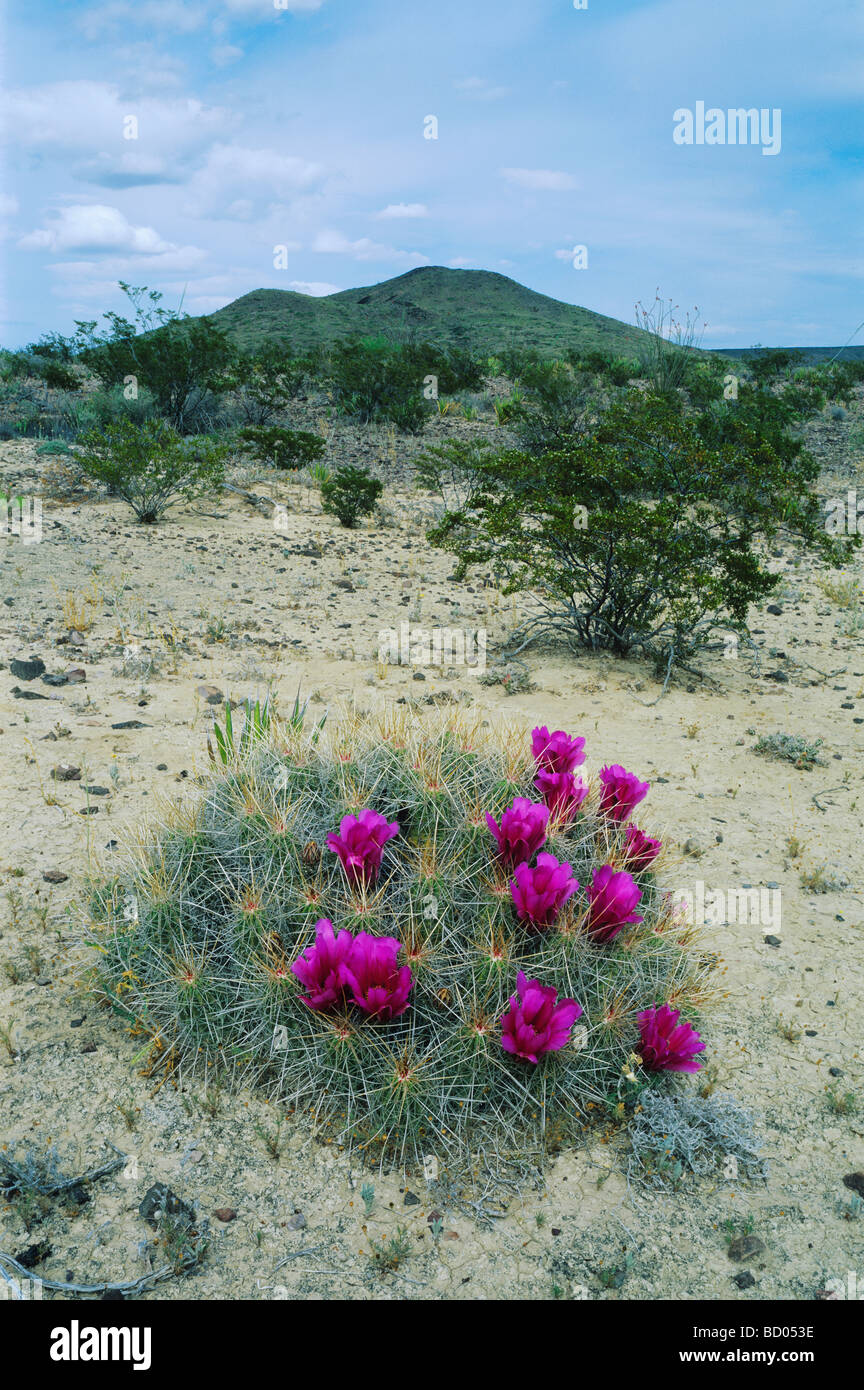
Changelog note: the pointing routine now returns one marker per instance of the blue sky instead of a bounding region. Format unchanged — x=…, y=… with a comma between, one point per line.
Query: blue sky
x=303, y=127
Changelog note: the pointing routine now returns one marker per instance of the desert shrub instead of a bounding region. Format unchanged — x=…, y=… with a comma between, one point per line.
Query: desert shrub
x=791, y=748
x=616, y=369
x=373, y=379
x=379, y=827
x=265, y=381
x=350, y=493
x=282, y=448
x=687, y=1134
x=665, y=345
x=151, y=465
x=637, y=532
x=180, y=361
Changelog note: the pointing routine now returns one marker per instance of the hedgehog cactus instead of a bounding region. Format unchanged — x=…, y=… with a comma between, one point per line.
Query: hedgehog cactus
x=392, y=990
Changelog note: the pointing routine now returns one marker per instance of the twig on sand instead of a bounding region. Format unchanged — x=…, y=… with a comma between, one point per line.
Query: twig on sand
x=131, y=1286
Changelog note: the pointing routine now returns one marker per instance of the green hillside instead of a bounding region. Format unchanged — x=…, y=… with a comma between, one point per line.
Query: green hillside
x=478, y=309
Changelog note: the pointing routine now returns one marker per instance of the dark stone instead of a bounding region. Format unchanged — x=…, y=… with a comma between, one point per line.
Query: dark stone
x=27, y=670
x=744, y=1280
x=777, y=676
x=742, y=1247
x=225, y=1214
x=775, y=609
x=19, y=694
x=54, y=876
x=55, y=680
x=159, y=1201
x=772, y=941
x=855, y=1181
x=76, y=1022
x=96, y=791
x=411, y=1199
x=33, y=1255
x=836, y=1071
x=161, y=767
x=130, y=724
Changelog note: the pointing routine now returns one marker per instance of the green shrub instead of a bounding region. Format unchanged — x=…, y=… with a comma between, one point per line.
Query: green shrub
x=180, y=361
x=639, y=532
x=350, y=493
x=150, y=465
x=281, y=447
x=195, y=938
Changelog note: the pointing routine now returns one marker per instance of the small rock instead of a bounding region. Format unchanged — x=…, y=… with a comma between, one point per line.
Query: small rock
x=159, y=1200
x=54, y=680
x=54, y=876
x=744, y=1280
x=66, y=772
x=161, y=767
x=742, y=1247
x=89, y=1047
x=75, y=675
x=855, y=1181
x=836, y=1071
x=297, y=1222
x=225, y=1214
x=96, y=791
x=76, y=1022
x=418, y=676
x=19, y=694
x=130, y=724
x=692, y=846
x=411, y=1199
x=33, y=1255
x=89, y=811
x=772, y=941
x=26, y=670
x=775, y=609
x=210, y=694
x=780, y=676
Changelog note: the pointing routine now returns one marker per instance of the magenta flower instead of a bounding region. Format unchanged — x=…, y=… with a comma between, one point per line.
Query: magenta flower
x=360, y=843
x=562, y=792
x=666, y=1044
x=535, y=1023
x=522, y=830
x=321, y=967
x=379, y=987
x=639, y=849
x=613, y=896
x=556, y=752
x=540, y=893
x=622, y=792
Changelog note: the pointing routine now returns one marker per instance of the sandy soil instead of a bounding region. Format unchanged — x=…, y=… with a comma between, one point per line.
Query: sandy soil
x=215, y=596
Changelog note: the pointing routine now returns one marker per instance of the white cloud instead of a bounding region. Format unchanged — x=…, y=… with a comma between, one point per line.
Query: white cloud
x=244, y=180
x=481, y=89
x=540, y=179
x=96, y=228
x=267, y=8
x=329, y=242
x=224, y=54
x=8, y=205
x=461, y=262
x=175, y=15
x=396, y=210
x=316, y=288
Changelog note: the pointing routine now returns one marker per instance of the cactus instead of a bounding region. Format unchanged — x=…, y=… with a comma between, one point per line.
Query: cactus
x=227, y=894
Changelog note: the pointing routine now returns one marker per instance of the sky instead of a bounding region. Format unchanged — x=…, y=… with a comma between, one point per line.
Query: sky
x=177, y=143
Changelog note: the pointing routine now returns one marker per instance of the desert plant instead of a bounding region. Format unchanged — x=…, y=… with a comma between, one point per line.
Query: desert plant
x=229, y=964
x=181, y=361
x=150, y=465
x=265, y=381
x=666, y=343
x=350, y=493
x=282, y=448
x=791, y=748
x=635, y=532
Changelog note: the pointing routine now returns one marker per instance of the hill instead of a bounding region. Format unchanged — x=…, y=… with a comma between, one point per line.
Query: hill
x=478, y=309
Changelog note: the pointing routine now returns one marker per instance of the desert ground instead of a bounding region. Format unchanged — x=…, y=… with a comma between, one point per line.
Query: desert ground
x=152, y=626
